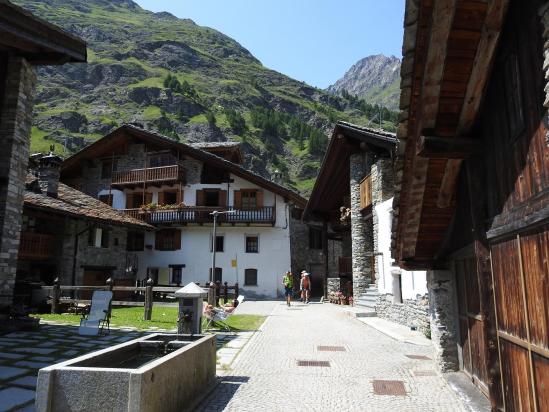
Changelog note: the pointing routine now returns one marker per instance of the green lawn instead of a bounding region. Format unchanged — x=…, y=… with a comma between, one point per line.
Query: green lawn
x=162, y=317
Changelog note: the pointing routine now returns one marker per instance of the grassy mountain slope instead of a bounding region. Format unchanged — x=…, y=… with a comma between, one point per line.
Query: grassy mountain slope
x=132, y=53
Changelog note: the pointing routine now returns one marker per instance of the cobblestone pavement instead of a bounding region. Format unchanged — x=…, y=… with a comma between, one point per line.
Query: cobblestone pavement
x=265, y=375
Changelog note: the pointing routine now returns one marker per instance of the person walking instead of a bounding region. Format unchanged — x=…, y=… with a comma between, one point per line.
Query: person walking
x=305, y=286
x=288, y=282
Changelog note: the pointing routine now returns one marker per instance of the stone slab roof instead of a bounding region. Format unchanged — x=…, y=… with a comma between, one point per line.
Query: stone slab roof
x=73, y=203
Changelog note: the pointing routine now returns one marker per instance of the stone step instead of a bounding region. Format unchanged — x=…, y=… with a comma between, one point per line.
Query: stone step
x=365, y=304
x=361, y=312
x=368, y=297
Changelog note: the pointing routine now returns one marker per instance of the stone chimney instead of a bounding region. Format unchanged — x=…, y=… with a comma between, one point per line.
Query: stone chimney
x=48, y=174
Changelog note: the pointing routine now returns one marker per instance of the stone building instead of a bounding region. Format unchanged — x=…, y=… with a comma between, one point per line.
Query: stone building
x=353, y=197
x=176, y=187
x=68, y=235
x=25, y=42
x=472, y=189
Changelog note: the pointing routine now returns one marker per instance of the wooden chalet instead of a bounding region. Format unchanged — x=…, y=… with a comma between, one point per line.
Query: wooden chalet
x=472, y=194
x=356, y=173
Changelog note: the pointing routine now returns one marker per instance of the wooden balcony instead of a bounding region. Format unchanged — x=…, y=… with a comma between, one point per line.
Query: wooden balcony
x=201, y=215
x=36, y=246
x=366, y=192
x=173, y=173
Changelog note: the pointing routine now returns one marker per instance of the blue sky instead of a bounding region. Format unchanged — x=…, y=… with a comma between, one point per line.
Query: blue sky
x=311, y=40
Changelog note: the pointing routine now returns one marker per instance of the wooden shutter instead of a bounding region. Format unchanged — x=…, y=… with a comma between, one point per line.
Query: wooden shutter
x=222, y=198
x=200, y=198
x=160, y=198
x=148, y=198
x=177, y=239
x=259, y=198
x=237, y=199
x=129, y=201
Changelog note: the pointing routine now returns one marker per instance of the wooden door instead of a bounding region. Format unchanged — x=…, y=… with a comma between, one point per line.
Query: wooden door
x=471, y=322
x=520, y=267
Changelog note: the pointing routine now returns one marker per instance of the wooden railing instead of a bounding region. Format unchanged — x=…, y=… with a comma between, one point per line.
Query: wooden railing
x=216, y=291
x=202, y=214
x=345, y=265
x=366, y=192
x=150, y=174
x=36, y=246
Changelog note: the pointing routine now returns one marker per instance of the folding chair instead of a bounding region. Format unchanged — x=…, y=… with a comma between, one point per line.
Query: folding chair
x=99, y=316
x=220, y=316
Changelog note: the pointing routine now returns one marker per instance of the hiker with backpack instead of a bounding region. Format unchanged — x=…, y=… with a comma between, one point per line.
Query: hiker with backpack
x=305, y=286
x=288, y=282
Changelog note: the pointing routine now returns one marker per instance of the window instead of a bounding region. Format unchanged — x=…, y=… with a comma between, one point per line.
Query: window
x=136, y=199
x=136, y=241
x=219, y=243
x=160, y=159
x=315, y=238
x=107, y=167
x=252, y=244
x=170, y=198
x=98, y=237
x=211, y=197
x=176, y=276
x=250, y=277
x=249, y=199
x=106, y=199
x=168, y=239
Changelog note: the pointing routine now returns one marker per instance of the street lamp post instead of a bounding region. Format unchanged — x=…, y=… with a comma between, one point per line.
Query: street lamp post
x=216, y=213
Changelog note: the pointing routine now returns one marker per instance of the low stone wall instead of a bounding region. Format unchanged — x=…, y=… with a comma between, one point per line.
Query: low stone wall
x=410, y=312
x=334, y=285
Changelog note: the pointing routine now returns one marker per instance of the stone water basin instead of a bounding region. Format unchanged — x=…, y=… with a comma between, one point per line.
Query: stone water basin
x=158, y=372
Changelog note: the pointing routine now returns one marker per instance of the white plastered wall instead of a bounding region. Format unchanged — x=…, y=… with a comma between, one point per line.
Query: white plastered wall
x=414, y=283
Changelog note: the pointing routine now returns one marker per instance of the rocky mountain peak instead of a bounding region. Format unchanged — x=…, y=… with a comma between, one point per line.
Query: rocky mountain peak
x=375, y=78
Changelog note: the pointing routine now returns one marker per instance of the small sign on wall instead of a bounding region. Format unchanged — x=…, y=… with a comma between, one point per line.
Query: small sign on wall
x=233, y=263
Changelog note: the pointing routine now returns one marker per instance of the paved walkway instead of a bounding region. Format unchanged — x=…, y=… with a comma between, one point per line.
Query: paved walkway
x=23, y=353
x=266, y=376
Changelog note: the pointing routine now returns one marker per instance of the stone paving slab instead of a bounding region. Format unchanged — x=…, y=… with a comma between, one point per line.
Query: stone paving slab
x=12, y=397
x=26, y=381
x=8, y=372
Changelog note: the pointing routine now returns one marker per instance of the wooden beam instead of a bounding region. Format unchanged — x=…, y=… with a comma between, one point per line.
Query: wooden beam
x=443, y=16
x=495, y=17
x=435, y=147
x=433, y=71
x=484, y=58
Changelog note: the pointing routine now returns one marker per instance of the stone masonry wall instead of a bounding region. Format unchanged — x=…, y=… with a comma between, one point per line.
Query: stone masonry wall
x=361, y=230
x=411, y=312
x=382, y=189
x=114, y=255
x=443, y=317
x=15, y=126
x=334, y=285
